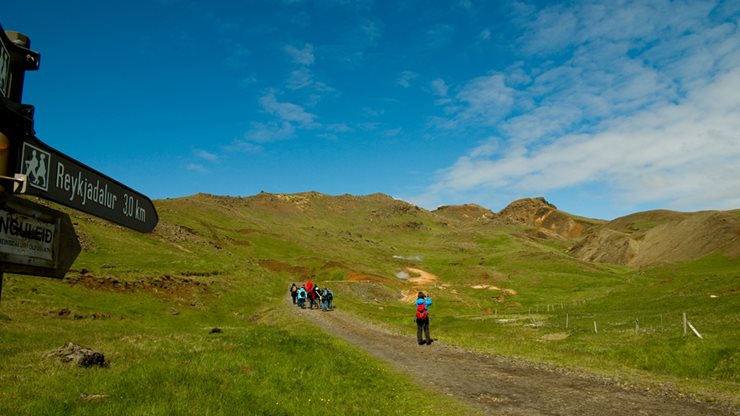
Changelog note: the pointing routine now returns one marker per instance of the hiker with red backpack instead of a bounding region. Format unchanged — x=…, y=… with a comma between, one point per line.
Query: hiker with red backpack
x=309, y=291
x=422, y=319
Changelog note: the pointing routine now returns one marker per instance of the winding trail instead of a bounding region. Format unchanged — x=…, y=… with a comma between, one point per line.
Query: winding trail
x=500, y=386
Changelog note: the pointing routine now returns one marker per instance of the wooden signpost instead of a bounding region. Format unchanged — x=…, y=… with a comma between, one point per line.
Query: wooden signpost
x=35, y=239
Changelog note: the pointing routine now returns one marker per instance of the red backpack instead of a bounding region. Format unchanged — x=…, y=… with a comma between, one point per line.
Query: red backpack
x=421, y=311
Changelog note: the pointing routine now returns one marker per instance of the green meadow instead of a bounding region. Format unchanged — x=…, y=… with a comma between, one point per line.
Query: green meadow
x=150, y=303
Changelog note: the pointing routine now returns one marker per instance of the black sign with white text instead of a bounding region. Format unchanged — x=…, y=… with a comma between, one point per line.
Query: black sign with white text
x=54, y=176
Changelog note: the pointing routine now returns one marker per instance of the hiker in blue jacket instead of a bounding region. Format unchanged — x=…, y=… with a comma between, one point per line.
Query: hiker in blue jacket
x=422, y=319
x=302, y=297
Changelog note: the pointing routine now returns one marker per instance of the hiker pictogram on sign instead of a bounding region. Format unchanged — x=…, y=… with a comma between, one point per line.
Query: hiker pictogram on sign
x=36, y=166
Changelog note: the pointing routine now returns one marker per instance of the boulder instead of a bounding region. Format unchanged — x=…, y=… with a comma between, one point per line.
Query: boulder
x=80, y=356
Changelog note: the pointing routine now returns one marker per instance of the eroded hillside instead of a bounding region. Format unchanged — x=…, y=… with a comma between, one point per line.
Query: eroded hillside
x=378, y=225
x=654, y=237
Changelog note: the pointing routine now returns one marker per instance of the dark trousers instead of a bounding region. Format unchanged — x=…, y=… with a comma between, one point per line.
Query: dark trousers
x=423, y=325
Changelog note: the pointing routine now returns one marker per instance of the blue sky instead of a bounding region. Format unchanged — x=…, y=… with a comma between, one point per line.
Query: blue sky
x=604, y=108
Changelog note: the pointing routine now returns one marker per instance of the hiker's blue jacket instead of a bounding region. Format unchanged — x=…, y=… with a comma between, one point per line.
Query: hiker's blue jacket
x=428, y=301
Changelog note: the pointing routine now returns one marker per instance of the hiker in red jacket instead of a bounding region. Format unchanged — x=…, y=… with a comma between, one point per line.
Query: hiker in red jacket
x=309, y=285
x=422, y=319
x=309, y=290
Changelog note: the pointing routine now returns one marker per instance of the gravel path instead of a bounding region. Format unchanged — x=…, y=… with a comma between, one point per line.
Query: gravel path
x=500, y=386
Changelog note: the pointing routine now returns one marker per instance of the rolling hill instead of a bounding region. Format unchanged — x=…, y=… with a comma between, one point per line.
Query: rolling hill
x=530, y=282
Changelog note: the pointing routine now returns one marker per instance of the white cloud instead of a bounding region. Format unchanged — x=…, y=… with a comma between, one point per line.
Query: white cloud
x=303, y=78
x=683, y=155
x=485, y=34
x=303, y=56
x=406, y=77
x=290, y=120
x=638, y=97
x=484, y=100
x=269, y=132
x=439, y=35
x=372, y=32
x=195, y=167
x=287, y=112
x=244, y=146
x=300, y=78
x=439, y=87
x=206, y=155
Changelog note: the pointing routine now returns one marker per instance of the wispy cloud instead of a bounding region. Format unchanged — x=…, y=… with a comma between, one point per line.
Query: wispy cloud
x=303, y=78
x=287, y=112
x=269, y=132
x=196, y=167
x=485, y=34
x=205, y=155
x=640, y=97
x=485, y=100
x=303, y=56
x=439, y=87
x=439, y=35
x=244, y=146
x=405, y=78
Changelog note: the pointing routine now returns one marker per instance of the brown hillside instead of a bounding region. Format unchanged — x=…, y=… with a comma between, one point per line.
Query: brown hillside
x=662, y=236
x=466, y=213
x=545, y=216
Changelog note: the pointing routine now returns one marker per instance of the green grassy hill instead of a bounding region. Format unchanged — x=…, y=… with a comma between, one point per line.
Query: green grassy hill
x=511, y=287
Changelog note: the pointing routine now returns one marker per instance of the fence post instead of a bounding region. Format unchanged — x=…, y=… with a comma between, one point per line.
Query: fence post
x=695, y=331
x=566, y=321
x=596, y=330
x=684, y=324
x=637, y=325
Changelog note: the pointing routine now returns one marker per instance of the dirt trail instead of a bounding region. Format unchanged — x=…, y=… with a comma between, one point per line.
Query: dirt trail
x=499, y=386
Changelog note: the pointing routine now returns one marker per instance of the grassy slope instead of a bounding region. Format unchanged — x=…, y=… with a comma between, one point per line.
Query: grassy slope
x=265, y=356
x=163, y=359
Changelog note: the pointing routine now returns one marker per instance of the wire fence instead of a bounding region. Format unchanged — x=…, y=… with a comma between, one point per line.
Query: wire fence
x=568, y=317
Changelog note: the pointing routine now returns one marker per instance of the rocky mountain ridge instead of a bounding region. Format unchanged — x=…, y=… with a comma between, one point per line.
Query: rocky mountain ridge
x=639, y=239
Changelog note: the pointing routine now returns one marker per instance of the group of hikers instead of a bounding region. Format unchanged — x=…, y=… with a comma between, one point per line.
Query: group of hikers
x=310, y=292
x=316, y=297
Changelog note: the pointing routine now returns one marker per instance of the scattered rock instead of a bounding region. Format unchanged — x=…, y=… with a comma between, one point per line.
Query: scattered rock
x=93, y=397
x=80, y=356
x=66, y=312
